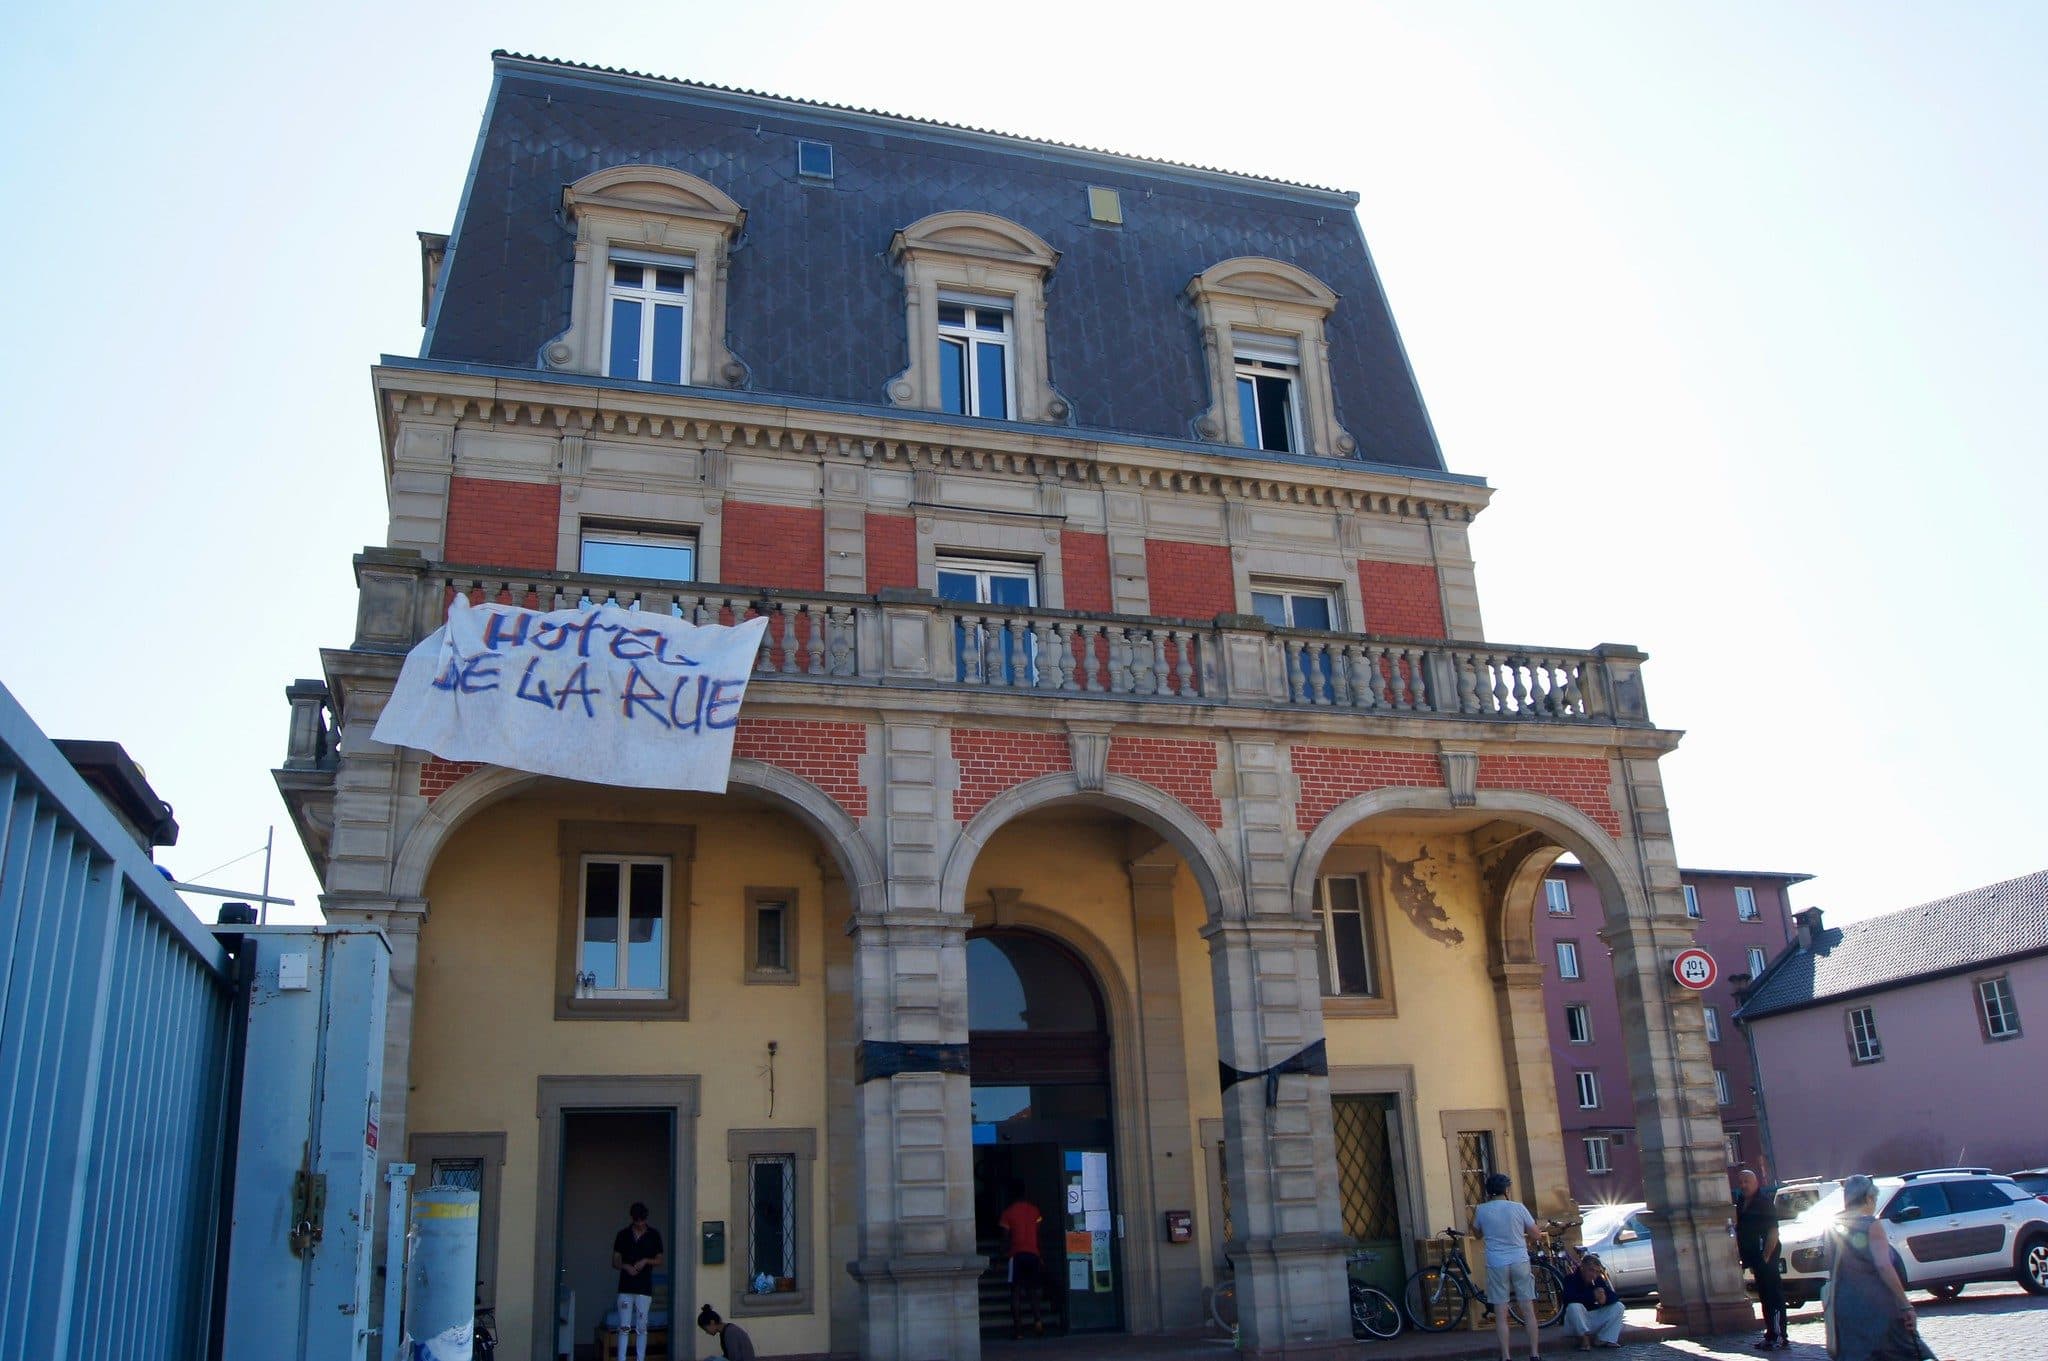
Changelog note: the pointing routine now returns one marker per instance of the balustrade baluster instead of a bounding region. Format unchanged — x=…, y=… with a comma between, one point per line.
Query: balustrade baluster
x=1045, y=655
x=1340, y=675
x=992, y=649
x=1574, y=698
x=814, y=640
x=1290, y=663
x=1322, y=671
x=1144, y=662
x=1120, y=661
x=1361, y=679
x=1091, y=667
x=783, y=625
x=1468, y=686
x=1517, y=666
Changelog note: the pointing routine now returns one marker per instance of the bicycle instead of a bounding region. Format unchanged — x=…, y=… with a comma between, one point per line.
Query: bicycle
x=1439, y=1297
x=1557, y=1252
x=1373, y=1311
x=484, y=1343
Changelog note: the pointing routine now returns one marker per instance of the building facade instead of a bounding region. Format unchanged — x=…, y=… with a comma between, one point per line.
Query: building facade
x=1127, y=801
x=1743, y=918
x=1915, y=1021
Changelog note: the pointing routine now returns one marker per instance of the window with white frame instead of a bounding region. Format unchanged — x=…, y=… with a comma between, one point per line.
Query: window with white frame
x=1721, y=1086
x=1589, y=1090
x=1731, y=1144
x=623, y=927
x=647, y=318
x=1567, y=959
x=1578, y=1023
x=988, y=581
x=1692, y=902
x=2001, y=1016
x=1599, y=1160
x=1348, y=967
x=975, y=377
x=1268, y=390
x=1296, y=607
x=982, y=646
x=1713, y=1025
x=1557, y=897
x=621, y=551
x=1756, y=961
x=1745, y=904
x=1864, y=1046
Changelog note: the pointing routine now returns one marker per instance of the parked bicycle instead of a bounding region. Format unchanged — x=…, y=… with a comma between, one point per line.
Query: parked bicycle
x=1438, y=1297
x=1557, y=1251
x=1373, y=1311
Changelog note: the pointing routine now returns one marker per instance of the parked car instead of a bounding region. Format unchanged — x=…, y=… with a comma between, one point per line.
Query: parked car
x=1949, y=1226
x=2034, y=1181
x=1621, y=1235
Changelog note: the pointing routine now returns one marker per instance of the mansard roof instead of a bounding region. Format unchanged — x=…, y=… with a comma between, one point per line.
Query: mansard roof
x=815, y=306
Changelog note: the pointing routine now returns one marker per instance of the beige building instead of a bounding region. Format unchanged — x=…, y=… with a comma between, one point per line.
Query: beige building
x=1127, y=802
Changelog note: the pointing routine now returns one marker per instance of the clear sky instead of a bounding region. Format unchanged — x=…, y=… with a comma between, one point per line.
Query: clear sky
x=1739, y=306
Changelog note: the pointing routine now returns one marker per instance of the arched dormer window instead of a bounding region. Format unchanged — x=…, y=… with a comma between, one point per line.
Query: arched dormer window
x=1267, y=360
x=975, y=285
x=648, y=300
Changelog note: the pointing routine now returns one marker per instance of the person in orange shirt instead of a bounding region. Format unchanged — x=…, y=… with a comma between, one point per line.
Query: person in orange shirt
x=1019, y=1224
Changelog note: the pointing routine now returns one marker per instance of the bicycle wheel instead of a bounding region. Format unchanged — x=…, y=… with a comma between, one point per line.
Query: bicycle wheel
x=1223, y=1306
x=1373, y=1314
x=1435, y=1301
x=1549, y=1295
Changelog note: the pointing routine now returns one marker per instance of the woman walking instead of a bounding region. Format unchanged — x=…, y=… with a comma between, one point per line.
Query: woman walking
x=1869, y=1316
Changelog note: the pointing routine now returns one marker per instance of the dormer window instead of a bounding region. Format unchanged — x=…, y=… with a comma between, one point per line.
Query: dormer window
x=1268, y=391
x=647, y=335
x=974, y=356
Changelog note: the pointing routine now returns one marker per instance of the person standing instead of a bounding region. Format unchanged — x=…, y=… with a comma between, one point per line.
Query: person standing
x=1019, y=1225
x=1592, y=1311
x=1509, y=1230
x=733, y=1342
x=1869, y=1316
x=636, y=1252
x=1756, y=1241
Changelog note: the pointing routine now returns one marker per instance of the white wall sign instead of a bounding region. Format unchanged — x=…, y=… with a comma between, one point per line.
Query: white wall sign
x=601, y=694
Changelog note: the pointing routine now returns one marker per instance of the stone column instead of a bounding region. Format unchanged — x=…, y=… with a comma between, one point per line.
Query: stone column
x=1280, y=1155
x=917, y=1265
x=1678, y=1122
x=842, y=1164
x=1540, y=1172
x=1168, y=1181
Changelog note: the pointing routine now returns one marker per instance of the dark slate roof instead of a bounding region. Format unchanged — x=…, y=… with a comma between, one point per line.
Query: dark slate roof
x=1998, y=921
x=815, y=308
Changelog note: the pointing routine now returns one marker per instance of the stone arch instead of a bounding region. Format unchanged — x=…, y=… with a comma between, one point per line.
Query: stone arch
x=964, y=232
x=1256, y=276
x=654, y=189
x=1221, y=887
x=809, y=804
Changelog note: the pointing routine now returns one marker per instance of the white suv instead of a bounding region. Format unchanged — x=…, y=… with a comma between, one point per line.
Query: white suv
x=1948, y=1227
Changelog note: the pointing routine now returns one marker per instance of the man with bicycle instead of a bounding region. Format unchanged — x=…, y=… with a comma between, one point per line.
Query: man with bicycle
x=1510, y=1231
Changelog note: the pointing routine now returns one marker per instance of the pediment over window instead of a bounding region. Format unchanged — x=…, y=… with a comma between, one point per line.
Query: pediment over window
x=984, y=235
x=654, y=189
x=1269, y=315
x=1253, y=276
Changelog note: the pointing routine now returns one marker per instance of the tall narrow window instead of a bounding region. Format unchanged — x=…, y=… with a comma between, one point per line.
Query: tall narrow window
x=1692, y=902
x=1995, y=1005
x=1589, y=1090
x=974, y=357
x=1745, y=904
x=1721, y=1086
x=1713, y=1025
x=647, y=333
x=1347, y=963
x=1567, y=959
x=1268, y=386
x=1864, y=1046
x=1578, y=1023
x=1756, y=961
x=623, y=930
x=1597, y=1157
x=771, y=1224
x=1557, y=896
x=1731, y=1143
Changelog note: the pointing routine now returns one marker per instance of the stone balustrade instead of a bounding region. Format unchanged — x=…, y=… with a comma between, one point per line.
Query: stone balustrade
x=913, y=637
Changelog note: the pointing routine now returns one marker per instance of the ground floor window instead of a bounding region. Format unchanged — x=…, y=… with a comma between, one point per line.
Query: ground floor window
x=771, y=1170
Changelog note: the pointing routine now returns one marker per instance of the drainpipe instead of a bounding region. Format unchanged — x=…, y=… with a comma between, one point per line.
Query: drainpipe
x=1756, y=1089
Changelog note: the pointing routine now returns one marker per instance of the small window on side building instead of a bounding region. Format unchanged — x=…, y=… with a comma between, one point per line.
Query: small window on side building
x=1864, y=1046
x=1721, y=1094
x=1578, y=1023
x=1692, y=902
x=1589, y=1090
x=1996, y=1008
x=1567, y=959
x=1598, y=1158
x=1745, y=904
x=1713, y=1025
x=814, y=160
x=1557, y=897
x=771, y=935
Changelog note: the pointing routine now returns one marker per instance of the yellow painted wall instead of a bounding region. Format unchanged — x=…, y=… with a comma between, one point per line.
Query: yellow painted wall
x=484, y=1028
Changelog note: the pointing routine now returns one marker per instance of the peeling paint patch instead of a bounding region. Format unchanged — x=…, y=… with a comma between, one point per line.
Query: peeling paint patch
x=1414, y=890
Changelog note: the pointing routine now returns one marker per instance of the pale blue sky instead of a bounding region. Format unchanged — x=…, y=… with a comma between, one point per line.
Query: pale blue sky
x=1738, y=306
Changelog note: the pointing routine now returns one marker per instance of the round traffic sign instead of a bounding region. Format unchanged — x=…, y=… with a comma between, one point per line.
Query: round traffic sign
x=1695, y=969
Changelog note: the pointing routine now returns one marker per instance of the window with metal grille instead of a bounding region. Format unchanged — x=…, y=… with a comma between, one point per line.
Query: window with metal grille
x=466, y=1173
x=1864, y=1046
x=1598, y=1161
x=1745, y=904
x=1578, y=1023
x=771, y=1223
x=1475, y=1164
x=2000, y=1014
x=1223, y=1192
x=1557, y=896
x=1365, y=1166
x=1589, y=1090
x=1567, y=959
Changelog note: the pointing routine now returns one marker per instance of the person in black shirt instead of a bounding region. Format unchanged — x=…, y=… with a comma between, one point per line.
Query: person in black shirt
x=1591, y=1308
x=636, y=1252
x=733, y=1342
x=1756, y=1239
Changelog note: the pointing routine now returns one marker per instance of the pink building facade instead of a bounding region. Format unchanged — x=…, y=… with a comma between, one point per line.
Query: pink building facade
x=1903, y=1041
x=1744, y=920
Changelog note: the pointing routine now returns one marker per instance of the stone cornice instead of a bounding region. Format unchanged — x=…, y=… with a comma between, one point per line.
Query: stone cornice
x=545, y=405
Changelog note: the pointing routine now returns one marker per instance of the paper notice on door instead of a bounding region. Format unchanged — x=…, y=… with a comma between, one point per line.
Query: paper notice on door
x=1074, y=1202
x=1098, y=1222
x=1080, y=1244
x=1077, y=1273
x=1095, y=1181
x=1103, y=1279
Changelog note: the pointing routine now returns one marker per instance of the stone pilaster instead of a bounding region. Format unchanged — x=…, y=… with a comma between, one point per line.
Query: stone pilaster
x=1279, y=1146
x=1162, y=1081
x=846, y=529
x=1532, y=1089
x=842, y=1164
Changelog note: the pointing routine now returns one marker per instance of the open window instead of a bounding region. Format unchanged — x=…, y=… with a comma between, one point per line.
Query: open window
x=974, y=284
x=1267, y=360
x=621, y=951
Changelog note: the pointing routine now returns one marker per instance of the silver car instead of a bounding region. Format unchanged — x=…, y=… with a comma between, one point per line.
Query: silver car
x=1621, y=1235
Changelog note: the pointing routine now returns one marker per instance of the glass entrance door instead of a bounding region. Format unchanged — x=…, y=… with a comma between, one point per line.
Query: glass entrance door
x=1090, y=1272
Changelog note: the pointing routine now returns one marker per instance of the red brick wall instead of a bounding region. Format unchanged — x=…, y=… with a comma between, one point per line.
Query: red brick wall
x=1084, y=566
x=1186, y=770
x=892, y=551
x=1330, y=775
x=1580, y=781
x=992, y=761
x=773, y=546
x=437, y=776
x=826, y=754
x=502, y=524
x=1402, y=599
x=1189, y=580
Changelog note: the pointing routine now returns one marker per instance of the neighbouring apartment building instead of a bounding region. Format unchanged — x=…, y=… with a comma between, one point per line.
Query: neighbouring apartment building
x=1127, y=801
x=1742, y=918
x=1914, y=1024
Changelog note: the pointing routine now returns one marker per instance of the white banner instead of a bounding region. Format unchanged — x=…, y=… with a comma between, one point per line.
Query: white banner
x=601, y=694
